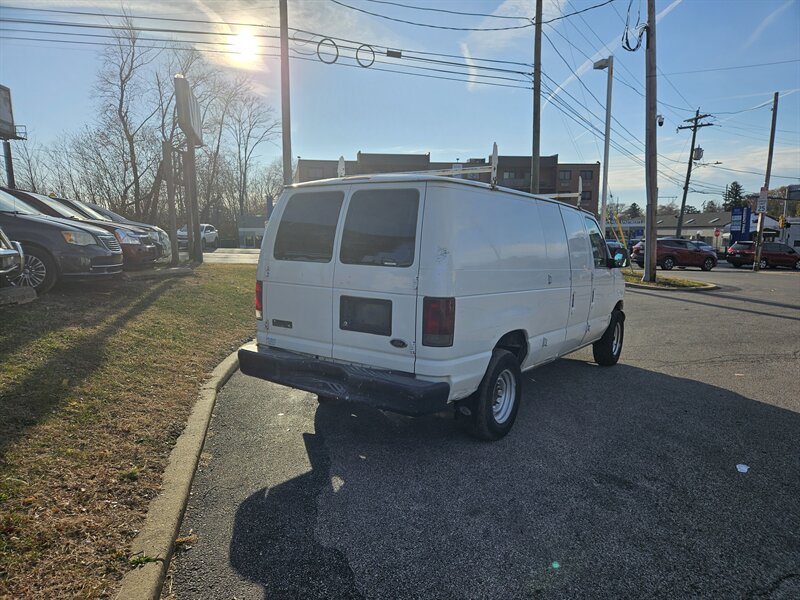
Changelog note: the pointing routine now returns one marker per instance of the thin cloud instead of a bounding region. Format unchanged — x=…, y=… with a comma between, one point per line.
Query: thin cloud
x=762, y=27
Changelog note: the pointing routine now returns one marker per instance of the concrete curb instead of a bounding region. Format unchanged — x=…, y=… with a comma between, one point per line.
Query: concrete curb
x=155, y=541
x=699, y=288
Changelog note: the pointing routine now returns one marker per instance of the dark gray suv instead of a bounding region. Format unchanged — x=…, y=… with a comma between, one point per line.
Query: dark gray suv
x=57, y=249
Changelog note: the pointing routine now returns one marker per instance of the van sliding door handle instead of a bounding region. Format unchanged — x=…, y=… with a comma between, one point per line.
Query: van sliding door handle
x=573, y=300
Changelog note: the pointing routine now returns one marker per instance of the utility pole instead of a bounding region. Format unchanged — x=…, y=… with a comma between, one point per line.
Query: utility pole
x=606, y=63
x=10, y=182
x=286, y=118
x=760, y=234
x=695, y=125
x=537, y=97
x=169, y=177
x=651, y=152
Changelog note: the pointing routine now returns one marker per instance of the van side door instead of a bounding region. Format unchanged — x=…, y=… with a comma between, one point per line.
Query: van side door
x=376, y=276
x=603, y=298
x=554, y=309
x=581, y=269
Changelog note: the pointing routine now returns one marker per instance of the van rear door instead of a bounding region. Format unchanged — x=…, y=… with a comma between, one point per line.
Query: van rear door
x=375, y=277
x=298, y=281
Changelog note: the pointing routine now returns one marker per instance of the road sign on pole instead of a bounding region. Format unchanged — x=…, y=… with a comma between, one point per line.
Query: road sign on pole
x=761, y=207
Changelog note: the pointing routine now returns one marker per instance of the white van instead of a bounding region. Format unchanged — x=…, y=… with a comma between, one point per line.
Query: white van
x=413, y=292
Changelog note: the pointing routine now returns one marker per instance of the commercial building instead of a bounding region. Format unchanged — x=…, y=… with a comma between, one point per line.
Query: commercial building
x=698, y=226
x=512, y=172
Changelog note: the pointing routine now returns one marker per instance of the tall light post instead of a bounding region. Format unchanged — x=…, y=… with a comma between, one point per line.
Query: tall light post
x=606, y=63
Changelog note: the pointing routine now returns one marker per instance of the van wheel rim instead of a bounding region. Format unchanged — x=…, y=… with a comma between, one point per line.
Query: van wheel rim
x=616, y=341
x=709, y=264
x=762, y=264
x=668, y=264
x=505, y=394
x=33, y=274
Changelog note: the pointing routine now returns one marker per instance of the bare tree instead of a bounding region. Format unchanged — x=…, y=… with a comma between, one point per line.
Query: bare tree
x=28, y=171
x=251, y=124
x=119, y=85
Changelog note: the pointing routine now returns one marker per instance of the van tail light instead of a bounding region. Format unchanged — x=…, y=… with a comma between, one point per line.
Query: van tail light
x=438, y=321
x=259, y=299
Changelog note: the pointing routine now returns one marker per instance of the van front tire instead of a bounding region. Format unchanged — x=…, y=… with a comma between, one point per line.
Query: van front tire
x=493, y=407
x=608, y=348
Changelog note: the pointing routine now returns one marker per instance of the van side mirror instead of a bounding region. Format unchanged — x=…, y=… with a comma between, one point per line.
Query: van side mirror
x=619, y=260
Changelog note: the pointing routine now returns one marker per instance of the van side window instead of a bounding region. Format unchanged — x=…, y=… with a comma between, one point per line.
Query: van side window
x=599, y=249
x=381, y=228
x=308, y=227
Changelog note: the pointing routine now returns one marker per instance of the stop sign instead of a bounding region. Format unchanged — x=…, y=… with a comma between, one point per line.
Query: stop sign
x=717, y=232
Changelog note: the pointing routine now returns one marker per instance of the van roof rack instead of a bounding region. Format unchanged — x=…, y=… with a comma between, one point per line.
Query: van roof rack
x=490, y=168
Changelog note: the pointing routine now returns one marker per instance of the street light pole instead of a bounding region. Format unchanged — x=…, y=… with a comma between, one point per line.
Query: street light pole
x=286, y=119
x=537, y=98
x=606, y=63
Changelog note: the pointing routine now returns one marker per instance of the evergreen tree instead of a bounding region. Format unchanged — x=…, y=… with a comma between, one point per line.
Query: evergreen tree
x=733, y=197
x=633, y=212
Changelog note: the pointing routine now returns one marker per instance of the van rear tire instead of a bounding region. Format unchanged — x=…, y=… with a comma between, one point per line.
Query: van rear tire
x=493, y=407
x=608, y=348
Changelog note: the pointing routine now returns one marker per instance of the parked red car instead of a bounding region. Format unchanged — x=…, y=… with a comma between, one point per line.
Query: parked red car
x=773, y=254
x=673, y=252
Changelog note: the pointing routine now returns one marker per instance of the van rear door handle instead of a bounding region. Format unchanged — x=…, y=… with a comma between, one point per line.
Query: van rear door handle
x=549, y=279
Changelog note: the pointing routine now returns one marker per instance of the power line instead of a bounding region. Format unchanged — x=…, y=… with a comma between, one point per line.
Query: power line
x=451, y=12
x=471, y=68
x=218, y=23
x=450, y=28
x=416, y=24
x=268, y=55
x=752, y=172
x=148, y=17
x=123, y=27
x=766, y=64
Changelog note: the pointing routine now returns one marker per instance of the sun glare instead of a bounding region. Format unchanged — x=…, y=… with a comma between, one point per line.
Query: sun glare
x=244, y=47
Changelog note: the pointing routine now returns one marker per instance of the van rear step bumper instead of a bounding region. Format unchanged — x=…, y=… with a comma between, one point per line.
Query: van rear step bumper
x=387, y=390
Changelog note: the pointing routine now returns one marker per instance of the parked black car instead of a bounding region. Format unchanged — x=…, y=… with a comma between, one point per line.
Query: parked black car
x=57, y=249
x=96, y=211
x=137, y=246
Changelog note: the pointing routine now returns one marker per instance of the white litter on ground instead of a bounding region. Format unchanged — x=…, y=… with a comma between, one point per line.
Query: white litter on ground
x=742, y=468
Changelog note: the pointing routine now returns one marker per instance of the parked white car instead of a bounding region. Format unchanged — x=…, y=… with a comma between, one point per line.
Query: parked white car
x=414, y=292
x=209, y=233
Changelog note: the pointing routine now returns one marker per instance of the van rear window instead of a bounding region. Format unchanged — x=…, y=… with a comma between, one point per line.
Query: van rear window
x=381, y=228
x=308, y=227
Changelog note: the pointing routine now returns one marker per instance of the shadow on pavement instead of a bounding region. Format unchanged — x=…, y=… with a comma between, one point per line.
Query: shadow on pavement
x=614, y=483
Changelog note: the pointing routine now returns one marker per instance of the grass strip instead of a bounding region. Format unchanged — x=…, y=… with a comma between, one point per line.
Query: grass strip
x=96, y=383
x=661, y=281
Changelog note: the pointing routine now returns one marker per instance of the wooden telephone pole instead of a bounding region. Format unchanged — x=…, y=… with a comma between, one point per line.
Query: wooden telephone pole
x=651, y=152
x=695, y=125
x=760, y=234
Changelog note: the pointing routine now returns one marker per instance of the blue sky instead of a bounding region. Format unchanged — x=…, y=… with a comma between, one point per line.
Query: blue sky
x=338, y=110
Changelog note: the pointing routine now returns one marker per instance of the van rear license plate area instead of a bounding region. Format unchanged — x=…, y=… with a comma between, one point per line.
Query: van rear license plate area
x=365, y=315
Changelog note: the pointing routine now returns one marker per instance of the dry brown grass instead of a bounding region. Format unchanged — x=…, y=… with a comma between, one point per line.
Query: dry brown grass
x=96, y=382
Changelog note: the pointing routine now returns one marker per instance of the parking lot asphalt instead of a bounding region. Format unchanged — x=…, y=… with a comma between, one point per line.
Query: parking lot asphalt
x=617, y=482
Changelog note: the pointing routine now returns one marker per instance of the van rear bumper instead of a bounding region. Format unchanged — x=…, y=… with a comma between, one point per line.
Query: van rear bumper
x=387, y=390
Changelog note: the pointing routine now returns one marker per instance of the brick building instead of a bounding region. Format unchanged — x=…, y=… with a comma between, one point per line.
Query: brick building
x=512, y=172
